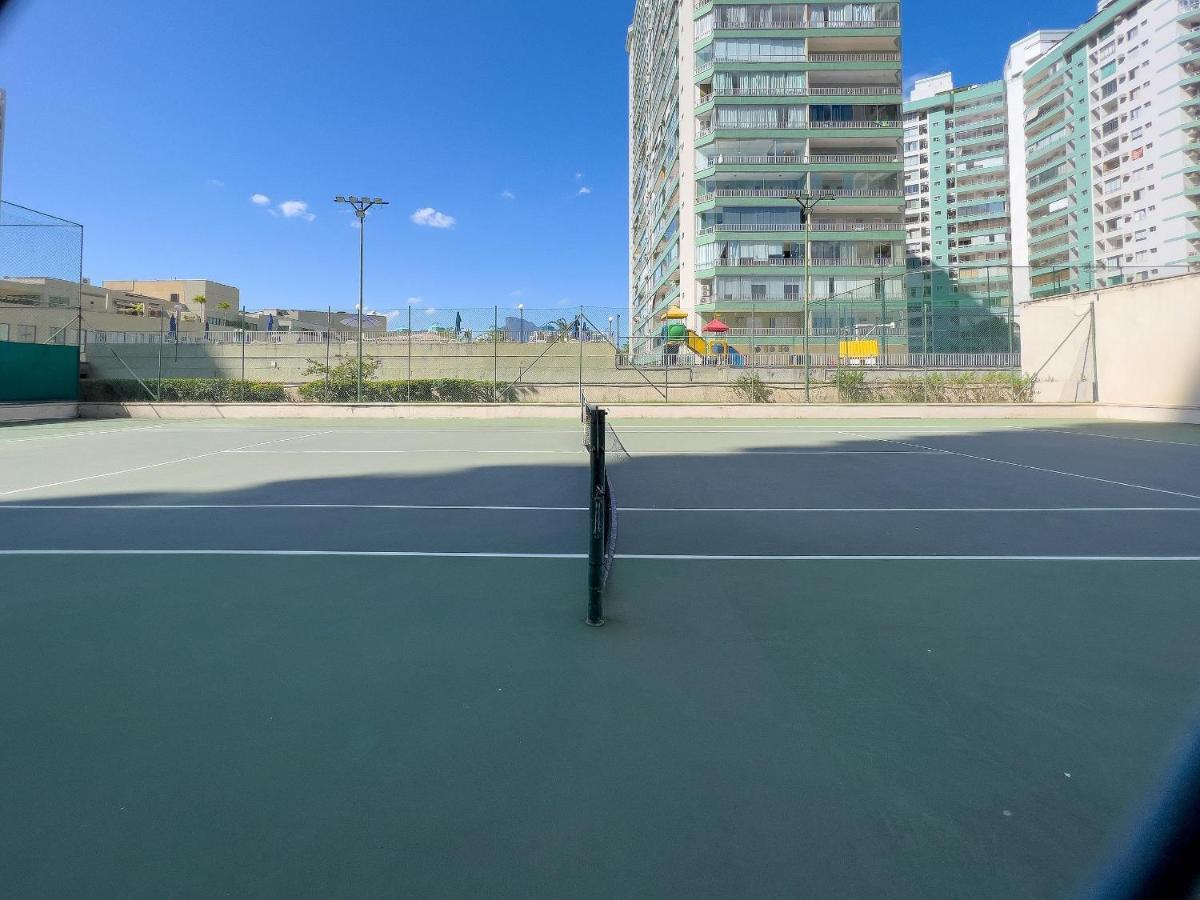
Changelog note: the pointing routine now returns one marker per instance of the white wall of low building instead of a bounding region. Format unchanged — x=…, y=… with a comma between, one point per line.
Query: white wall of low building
x=1144, y=352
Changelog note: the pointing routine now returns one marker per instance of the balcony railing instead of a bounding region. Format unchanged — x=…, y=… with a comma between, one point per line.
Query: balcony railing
x=748, y=262
x=853, y=57
x=740, y=227
x=787, y=194
x=788, y=24
x=775, y=160
x=796, y=126
x=831, y=57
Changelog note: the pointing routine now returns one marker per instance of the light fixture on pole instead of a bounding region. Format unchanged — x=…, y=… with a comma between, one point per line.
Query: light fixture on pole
x=521, y=311
x=360, y=205
x=806, y=205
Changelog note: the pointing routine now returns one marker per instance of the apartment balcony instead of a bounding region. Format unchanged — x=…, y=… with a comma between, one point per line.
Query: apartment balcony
x=787, y=23
x=799, y=229
x=723, y=159
x=789, y=194
x=806, y=125
x=857, y=90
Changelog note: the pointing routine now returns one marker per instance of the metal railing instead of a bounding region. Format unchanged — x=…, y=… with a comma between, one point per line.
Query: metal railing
x=799, y=227
x=791, y=193
x=722, y=159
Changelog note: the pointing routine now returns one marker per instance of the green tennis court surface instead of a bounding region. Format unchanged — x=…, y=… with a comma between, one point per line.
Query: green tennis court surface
x=868, y=658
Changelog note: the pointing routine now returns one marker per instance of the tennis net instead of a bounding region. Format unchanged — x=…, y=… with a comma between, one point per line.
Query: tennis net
x=603, y=444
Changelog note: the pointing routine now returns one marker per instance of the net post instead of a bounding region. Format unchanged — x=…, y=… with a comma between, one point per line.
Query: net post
x=598, y=508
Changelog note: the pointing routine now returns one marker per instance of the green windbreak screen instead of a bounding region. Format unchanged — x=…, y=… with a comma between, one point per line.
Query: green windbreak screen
x=38, y=372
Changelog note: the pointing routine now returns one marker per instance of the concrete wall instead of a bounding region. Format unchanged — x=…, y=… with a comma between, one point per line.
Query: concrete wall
x=1146, y=347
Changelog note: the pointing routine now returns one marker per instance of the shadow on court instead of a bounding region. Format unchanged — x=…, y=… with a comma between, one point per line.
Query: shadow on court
x=359, y=725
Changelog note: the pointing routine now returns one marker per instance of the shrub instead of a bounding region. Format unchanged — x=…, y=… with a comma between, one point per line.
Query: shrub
x=419, y=390
x=750, y=388
x=182, y=390
x=852, y=386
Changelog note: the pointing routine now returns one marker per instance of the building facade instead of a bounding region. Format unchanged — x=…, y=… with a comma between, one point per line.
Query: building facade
x=221, y=306
x=1112, y=144
x=735, y=111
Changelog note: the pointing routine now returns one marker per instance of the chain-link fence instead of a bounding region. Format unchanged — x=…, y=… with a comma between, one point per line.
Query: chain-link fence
x=927, y=335
x=41, y=277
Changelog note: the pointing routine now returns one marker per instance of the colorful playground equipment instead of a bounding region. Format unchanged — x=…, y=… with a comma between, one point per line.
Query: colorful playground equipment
x=714, y=351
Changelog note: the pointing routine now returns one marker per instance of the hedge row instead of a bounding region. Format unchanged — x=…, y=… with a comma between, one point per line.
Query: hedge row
x=854, y=386
x=419, y=390
x=182, y=390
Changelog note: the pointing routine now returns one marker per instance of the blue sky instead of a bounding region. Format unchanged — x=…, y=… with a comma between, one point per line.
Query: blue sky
x=155, y=123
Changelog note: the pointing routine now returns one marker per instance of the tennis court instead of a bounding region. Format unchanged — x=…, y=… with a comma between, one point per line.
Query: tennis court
x=841, y=658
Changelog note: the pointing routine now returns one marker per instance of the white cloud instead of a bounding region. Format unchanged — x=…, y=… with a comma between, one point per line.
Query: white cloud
x=260, y=199
x=430, y=311
x=507, y=195
x=516, y=294
x=431, y=218
x=584, y=191
x=295, y=209
x=415, y=301
x=216, y=182
x=579, y=176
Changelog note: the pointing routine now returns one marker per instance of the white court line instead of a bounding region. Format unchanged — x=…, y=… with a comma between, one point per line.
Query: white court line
x=133, y=507
x=685, y=557
x=1121, y=437
x=578, y=452
x=349, y=553
x=75, y=434
x=199, y=507
x=1031, y=468
x=157, y=465
x=660, y=557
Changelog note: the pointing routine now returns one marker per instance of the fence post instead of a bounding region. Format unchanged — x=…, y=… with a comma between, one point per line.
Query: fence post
x=1095, y=356
x=579, y=337
x=409, y=382
x=495, y=354
x=328, y=338
x=242, y=392
x=158, y=391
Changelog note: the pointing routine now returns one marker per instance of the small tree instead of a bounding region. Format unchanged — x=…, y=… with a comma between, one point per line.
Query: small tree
x=342, y=376
x=200, y=300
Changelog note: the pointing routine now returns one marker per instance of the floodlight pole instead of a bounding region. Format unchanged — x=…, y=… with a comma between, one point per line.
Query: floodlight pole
x=361, y=205
x=807, y=202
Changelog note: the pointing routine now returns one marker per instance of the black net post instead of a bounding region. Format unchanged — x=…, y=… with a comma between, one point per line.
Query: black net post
x=596, y=426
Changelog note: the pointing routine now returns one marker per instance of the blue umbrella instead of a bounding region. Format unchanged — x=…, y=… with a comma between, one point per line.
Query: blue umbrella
x=458, y=323
x=270, y=323
x=173, y=326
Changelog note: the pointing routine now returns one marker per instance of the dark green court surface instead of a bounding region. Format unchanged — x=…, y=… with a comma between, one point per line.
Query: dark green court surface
x=860, y=659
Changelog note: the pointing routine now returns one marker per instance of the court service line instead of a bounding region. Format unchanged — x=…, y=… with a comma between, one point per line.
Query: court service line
x=1032, y=468
x=76, y=434
x=157, y=465
x=1121, y=437
x=637, y=510
x=348, y=553
x=783, y=451
x=653, y=557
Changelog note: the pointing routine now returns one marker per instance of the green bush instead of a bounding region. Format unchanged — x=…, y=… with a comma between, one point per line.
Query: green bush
x=182, y=390
x=419, y=390
x=852, y=386
x=750, y=388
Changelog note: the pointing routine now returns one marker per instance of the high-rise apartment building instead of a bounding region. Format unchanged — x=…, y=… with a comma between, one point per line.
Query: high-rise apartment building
x=957, y=192
x=735, y=111
x=1112, y=145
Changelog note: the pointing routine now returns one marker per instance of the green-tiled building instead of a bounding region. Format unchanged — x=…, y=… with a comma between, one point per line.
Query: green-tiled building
x=736, y=110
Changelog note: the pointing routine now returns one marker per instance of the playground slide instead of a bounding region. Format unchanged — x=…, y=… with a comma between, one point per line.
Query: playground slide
x=703, y=348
